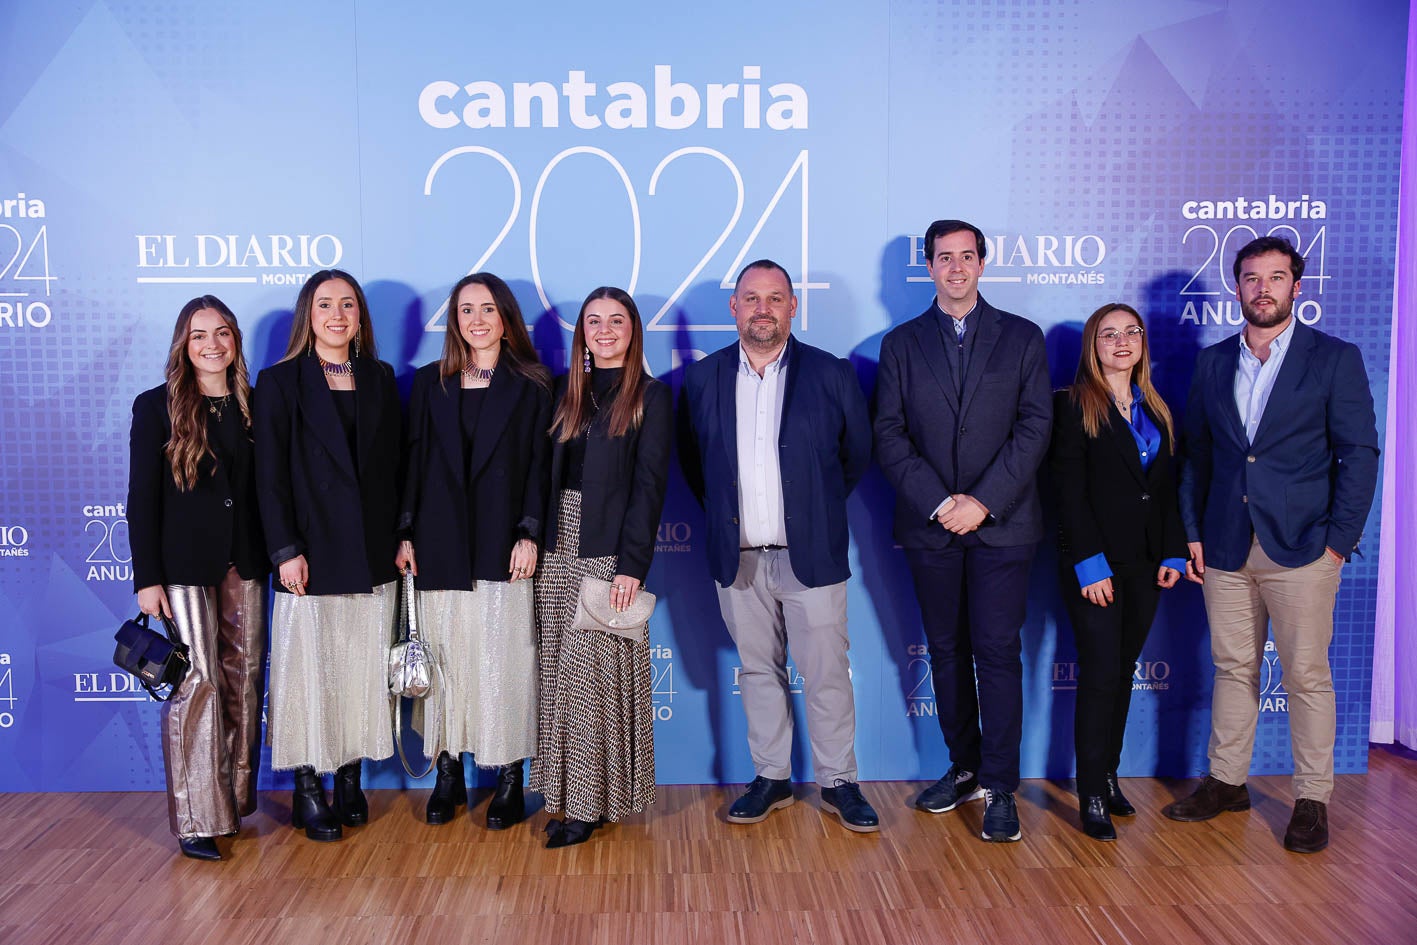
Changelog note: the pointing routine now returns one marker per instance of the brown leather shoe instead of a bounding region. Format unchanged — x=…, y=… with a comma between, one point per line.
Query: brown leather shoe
x=1308, y=828
x=1211, y=798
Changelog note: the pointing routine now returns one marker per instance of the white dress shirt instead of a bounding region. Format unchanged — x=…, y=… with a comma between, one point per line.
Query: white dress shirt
x=1254, y=379
x=759, y=411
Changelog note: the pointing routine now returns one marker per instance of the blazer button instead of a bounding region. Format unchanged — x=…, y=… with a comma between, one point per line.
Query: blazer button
x=1249, y=459
x=1146, y=496
x=735, y=520
x=1244, y=498
x=228, y=503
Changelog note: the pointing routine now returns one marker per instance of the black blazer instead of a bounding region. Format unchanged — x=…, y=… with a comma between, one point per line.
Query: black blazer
x=824, y=447
x=338, y=510
x=622, y=485
x=931, y=442
x=1106, y=503
x=504, y=481
x=184, y=537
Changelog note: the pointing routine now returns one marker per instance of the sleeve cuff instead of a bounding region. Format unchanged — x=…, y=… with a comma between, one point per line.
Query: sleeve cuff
x=1091, y=570
x=1175, y=564
x=940, y=508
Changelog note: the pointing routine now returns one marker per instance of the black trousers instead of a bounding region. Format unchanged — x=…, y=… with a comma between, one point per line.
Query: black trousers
x=973, y=599
x=1109, y=642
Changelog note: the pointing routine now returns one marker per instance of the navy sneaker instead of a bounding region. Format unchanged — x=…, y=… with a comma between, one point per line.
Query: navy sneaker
x=844, y=799
x=763, y=796
x=956, y=787
x=1000, y=817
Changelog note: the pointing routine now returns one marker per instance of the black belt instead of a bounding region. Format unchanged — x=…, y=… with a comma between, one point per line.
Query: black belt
x=764, y=548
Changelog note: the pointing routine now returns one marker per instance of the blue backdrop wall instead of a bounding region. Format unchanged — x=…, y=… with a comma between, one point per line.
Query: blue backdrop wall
x=1111, y=150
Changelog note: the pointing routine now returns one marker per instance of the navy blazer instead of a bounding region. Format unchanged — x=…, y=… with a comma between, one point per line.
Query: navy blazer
x=1108, y=504
x=622, y=484
x=316, y=499
x=498, y=485
x=824, y=446
x=182, y=537
x=989, y=443
x=1307, y=481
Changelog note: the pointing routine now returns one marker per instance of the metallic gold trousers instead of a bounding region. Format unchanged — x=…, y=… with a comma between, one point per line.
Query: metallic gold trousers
x=211, y=729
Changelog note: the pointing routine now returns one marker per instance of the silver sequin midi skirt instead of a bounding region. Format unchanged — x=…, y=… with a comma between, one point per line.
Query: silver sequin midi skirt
x=329, y=700
x=595, y=747
x=484, y=642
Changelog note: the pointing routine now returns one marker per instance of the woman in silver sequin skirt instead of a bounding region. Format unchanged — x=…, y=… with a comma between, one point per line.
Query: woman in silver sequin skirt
x=610, y=463
x=473, y=506
x=328, y=436
x=199, y=560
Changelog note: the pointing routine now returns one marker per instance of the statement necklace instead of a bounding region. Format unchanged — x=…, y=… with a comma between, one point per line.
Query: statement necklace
x=216, y=405
x=474, y=373
x=344, y=369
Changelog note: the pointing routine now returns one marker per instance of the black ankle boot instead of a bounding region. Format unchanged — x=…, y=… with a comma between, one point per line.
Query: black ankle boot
x=449, y=790
x=508, y=806
x=309, y=810
x=348, y=800
x=1096, y=822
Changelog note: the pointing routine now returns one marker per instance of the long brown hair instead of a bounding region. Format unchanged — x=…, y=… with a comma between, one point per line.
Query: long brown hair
x=302, y=336
x=1090, y=391
x=573, y=413
x=188, y=446
x=517, y=352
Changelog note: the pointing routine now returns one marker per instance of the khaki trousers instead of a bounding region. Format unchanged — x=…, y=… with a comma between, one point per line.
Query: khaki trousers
x=1298, y=603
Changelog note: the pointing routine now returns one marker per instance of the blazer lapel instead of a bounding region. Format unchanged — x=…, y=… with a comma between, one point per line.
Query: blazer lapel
x=728, y=403
x=939, y=360
x=443, y=403
x=1291, y=373
x=1120, y=435
x=986, y=335
x=1224, y=385
x=497, y=408
x=318, y=406
x=366, y=398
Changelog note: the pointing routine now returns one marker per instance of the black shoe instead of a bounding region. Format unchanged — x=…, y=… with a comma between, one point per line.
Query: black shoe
x=763, y=796
x=1096, y=821
x=1117, y=803
x=956, y=787
x=1000, y=817
x=1210, y=799
x=449, y=790
x=1308, y=827
x=199, y=848
x=348, y=799
x=508, y=805
x=309, y=810
x=569, y=832
x=844, y=799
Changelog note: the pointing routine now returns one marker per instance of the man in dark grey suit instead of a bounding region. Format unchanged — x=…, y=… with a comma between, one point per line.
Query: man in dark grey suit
x=964, y=413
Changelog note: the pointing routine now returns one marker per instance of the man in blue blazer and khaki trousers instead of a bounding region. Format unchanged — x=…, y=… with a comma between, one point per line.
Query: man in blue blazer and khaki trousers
x=1281, y=465
x=776, y=435
x=963, y=417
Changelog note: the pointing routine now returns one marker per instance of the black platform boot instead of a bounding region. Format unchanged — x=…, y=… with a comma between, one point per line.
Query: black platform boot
x=309, y=810
x=449, y=790
x=508, y=806
x=348, y=800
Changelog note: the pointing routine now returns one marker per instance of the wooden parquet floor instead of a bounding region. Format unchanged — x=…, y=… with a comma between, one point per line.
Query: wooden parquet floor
x=94, y=869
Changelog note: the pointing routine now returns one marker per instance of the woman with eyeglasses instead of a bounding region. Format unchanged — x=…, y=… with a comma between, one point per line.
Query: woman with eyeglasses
x=1120, y=539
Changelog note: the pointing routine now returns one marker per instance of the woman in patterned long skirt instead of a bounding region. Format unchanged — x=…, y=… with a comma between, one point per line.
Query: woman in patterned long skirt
x=473, y=508
x=328, y=431
x=609, y=468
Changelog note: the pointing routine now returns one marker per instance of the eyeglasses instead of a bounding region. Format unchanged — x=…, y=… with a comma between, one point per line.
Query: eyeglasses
x=1113, y=337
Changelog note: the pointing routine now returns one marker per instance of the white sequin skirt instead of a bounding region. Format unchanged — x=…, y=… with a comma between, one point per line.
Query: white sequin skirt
x=329, y=700
x=484, y=642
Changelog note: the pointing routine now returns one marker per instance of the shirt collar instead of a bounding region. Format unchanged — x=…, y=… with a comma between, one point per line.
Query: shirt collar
x=1278, y=346
x=950, y=319
x=776, y=366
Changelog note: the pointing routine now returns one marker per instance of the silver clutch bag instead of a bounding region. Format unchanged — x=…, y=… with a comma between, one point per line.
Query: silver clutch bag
x=410, y=663
x=593, y=611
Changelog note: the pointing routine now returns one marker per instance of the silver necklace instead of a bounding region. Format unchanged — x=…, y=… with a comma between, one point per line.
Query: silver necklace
x=216, y=405
x=474, y=373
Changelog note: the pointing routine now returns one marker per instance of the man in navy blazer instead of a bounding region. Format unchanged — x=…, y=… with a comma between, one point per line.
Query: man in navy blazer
x=1281, y=464
x=963, y=417
x=775, y=435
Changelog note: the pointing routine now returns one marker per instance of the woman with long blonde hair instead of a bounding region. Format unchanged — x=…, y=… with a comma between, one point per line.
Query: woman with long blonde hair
x=1120, y=539
x=199, y=561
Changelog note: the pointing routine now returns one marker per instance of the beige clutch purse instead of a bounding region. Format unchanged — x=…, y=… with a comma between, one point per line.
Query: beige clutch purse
x=593, y=611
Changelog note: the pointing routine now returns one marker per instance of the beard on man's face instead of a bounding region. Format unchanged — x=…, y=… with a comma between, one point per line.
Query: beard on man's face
x=1270, y=316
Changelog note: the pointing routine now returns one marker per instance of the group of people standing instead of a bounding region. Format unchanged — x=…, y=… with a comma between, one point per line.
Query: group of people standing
x=504, y=488
x=498, y=493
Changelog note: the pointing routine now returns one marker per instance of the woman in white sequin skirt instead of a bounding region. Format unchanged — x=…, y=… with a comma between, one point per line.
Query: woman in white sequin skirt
x=610, y=464
x=328, y=435
x=472, y=513
x=200, y=561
